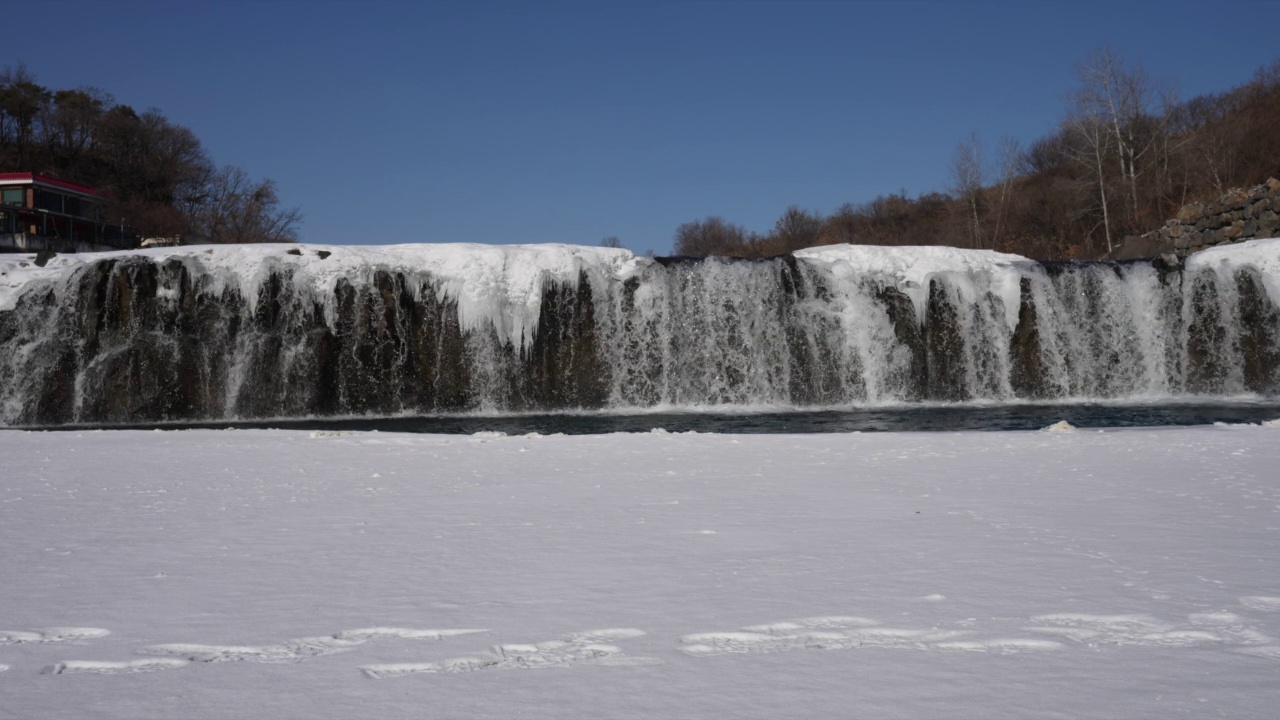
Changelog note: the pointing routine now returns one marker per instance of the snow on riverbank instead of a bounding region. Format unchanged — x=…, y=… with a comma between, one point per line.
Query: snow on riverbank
x=1127, y=573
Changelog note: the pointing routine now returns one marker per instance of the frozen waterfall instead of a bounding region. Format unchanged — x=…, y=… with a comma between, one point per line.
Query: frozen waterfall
x=240, y=332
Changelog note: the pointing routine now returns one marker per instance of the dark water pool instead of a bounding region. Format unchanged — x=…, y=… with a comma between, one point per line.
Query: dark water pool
x=880, y=419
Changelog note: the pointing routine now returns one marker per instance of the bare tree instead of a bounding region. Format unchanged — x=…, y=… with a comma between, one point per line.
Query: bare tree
x=1121, y=99
x=238, y=210
x=1175, y=134
x=1091, y=149
x=1216, y=139
x=711, y=236
x=796, y=229
x=22, y=102
x=152, y=159
x=69, y=125
x=611, y=241
x=1010, y=157
x=842, y=226
x=966, y=178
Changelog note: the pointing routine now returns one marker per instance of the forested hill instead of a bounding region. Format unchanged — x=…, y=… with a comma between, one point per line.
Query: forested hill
x=162, y=180
x=1126, y=156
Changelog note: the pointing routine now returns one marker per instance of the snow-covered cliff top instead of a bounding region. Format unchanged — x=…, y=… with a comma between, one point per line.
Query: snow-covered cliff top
x=506, y=281
x=487, y=281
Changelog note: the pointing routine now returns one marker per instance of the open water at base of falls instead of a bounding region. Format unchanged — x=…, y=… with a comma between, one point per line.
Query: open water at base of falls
x=898, y=418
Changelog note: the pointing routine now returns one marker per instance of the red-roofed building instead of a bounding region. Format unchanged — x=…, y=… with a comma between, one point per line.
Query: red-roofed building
x=44, y=213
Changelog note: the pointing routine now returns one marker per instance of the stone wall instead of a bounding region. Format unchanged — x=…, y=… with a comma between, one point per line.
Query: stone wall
x=1235, y=217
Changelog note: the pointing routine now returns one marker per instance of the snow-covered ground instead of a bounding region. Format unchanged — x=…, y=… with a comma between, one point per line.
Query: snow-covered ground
x=255, y=574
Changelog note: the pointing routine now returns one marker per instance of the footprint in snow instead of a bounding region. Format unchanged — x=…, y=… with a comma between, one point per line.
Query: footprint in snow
x=74, y=667
x=1145, y=630
x=1222, y=628
x=178, y=655
x=1118, y=630
x=1270, y=652
x=297, y=649
x=51, y=635
x=1264, y=603
x=289, y=651
x=1231, y=627
x=840, y=632
x=592, y=647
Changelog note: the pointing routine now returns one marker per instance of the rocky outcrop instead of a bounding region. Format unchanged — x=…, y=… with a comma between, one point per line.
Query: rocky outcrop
x=1235, y=217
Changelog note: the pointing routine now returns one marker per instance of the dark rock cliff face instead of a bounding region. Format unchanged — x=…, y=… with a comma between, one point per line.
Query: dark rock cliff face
x=564, y=368
x=944, y=347
x=1233, y=329
x=913, y=374
x=129, y=339
x=1028, y=373
x=1259, y=323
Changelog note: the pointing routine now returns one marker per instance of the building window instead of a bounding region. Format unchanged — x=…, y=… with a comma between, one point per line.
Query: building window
x=50, y=201
x=13, y=196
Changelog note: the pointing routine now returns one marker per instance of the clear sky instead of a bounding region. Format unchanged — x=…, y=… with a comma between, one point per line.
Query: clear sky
x=506, y=122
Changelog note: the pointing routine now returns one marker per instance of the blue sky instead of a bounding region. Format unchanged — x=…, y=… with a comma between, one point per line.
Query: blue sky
x=566, y=122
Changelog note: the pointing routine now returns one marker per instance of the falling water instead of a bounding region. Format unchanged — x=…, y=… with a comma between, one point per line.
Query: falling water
x=236, y=333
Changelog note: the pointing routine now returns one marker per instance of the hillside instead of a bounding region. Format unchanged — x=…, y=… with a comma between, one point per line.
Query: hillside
x=1127, y=157
x=162, y=181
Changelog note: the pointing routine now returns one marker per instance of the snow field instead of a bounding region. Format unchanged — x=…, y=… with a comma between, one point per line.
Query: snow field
x=1126, y=573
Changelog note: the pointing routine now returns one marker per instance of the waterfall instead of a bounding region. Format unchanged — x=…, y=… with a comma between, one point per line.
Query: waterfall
x=224, y=333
